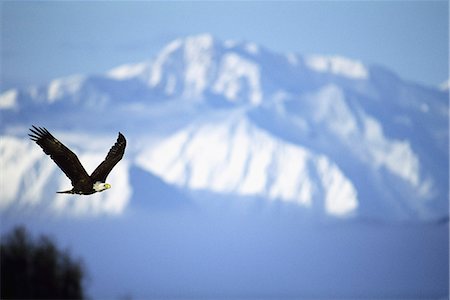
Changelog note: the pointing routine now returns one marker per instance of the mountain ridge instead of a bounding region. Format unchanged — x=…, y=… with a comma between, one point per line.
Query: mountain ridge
x=338, y=115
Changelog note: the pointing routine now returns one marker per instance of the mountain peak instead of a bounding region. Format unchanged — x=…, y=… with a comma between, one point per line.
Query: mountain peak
x=204, y=40
x=337, y=65
x=296, y=129
x=235, y=157
x=197, y=65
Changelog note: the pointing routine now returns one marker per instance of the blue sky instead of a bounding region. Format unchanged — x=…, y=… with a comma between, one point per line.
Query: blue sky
x=45, y=40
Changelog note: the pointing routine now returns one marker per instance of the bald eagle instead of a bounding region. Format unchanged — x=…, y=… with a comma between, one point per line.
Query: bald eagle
x=68, y=162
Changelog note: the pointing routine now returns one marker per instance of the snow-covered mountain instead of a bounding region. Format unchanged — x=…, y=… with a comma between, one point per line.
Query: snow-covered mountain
x=235, y=157
x=233, y=119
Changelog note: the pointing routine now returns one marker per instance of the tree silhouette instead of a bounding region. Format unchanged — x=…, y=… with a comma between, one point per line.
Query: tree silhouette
x=37, y=269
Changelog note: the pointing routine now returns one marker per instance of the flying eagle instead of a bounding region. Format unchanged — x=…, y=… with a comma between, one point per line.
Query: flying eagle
x=68, y=162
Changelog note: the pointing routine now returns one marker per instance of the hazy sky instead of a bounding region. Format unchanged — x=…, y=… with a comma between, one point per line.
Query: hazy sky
x=44, y=40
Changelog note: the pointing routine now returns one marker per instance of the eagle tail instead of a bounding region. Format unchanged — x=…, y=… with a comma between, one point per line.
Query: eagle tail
x=66, y=192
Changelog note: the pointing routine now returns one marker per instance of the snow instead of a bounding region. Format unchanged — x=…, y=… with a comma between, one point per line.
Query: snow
x=396, y=156
x=313, y=162
x=198, y=54
x=256, y=178
x=184, y=63
x=292, y=181
x=236, y=157
x=31, y=174
x=8, y=100
x=252, y=48
x=337, y=65
x=59, y=88
x=36, y=180
x=162, y=159
x=296, y=171
x=128, y=71
x=158, y=64
x=332, y=109
x=236, y=76
x=341, y=195
x=196, y=64
x=364, y=134
x=16, y=159
x=302, y=140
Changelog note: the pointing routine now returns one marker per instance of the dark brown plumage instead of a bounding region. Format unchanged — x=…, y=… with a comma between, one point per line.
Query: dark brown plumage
x=69, y=163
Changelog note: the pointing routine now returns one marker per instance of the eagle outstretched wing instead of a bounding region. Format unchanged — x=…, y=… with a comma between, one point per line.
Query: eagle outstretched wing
x=66, y=160
x=115, y=154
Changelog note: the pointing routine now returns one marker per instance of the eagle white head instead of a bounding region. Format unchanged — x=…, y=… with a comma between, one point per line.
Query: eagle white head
x=100, y=186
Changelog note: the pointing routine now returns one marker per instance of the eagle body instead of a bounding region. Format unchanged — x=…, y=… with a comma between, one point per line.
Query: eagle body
x=87, y=187
x=68, y=162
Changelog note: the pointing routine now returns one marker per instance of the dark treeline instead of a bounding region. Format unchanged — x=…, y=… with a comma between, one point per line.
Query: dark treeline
x=37, y=269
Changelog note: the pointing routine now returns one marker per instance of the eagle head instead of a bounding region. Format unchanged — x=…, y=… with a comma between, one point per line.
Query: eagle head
x=100, y=186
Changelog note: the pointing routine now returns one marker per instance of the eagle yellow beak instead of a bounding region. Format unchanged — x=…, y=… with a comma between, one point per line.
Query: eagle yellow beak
x=107, y=186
